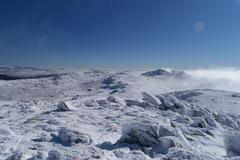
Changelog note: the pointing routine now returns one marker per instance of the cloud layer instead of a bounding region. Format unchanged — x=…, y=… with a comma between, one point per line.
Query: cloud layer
x=223, y=79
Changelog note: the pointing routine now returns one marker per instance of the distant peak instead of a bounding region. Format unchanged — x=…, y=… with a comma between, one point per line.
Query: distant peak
x=164, y=72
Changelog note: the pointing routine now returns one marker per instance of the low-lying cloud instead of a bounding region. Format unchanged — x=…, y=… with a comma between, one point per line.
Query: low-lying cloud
x=223, y=79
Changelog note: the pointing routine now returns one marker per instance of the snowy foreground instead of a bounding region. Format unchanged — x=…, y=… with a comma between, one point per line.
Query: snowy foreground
x=130, y=115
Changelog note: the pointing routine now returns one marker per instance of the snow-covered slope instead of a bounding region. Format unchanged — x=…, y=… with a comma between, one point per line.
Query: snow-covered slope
x=104, y=114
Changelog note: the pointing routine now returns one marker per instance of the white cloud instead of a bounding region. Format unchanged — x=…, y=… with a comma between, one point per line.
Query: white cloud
x=199, y=26
x=223, y=79
x=216, y=74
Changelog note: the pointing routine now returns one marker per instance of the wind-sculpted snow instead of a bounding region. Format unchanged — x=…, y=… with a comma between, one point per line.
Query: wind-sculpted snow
x=108, y=115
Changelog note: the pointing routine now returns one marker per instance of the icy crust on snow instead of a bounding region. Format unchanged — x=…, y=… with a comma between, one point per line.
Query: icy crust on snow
x=103, y=114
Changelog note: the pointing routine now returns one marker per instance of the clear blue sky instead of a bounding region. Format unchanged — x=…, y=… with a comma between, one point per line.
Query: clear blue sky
x=120, y=33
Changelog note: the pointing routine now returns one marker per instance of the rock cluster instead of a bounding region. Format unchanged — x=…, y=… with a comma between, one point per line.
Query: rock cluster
x=153, y=138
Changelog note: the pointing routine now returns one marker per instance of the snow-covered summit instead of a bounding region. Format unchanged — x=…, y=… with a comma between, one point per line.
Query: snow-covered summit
x=165, y=72
x=105, y=114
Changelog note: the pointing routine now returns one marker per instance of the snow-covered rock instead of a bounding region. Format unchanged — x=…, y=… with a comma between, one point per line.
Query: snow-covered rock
x=172, y=103
x=54, y=155
x=65, y=106
x=17, y=155
x=126, y=154
x=199, y=122
x=165, y=72
x=159, y=137
x=226, y=120
x=232, y=143
x=69, y=137
x=38, y=156
x=113, y=84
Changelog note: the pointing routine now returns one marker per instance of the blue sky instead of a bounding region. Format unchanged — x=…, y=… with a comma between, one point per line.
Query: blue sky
x=120, y=33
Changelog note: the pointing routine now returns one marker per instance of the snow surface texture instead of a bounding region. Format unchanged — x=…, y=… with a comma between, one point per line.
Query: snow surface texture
x=103, y=114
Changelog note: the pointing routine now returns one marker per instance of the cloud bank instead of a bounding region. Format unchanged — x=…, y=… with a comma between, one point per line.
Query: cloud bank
x=222, y=79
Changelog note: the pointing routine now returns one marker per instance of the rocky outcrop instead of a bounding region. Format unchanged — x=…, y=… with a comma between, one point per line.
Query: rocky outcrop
x=152, y=138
